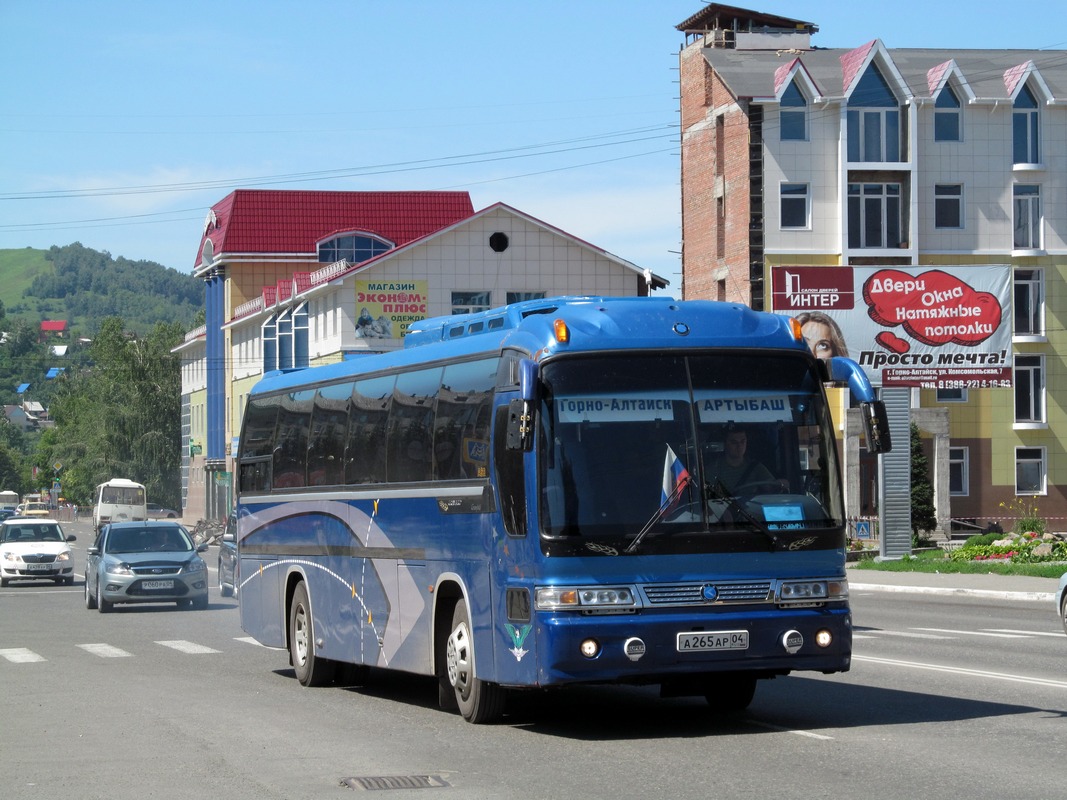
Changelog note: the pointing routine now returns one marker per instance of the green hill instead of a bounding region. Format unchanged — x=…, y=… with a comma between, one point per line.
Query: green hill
x=85, y=286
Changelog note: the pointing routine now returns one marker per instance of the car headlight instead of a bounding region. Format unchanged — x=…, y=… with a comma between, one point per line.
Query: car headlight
x=64, y=556
x=118, y=569
x=9, y=556
x=196, y=565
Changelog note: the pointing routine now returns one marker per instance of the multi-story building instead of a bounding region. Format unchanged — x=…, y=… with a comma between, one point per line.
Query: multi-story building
x=799, y=156
x=297, y=279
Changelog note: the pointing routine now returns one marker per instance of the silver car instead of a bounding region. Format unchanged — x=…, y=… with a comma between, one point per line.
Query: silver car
x=145, y=562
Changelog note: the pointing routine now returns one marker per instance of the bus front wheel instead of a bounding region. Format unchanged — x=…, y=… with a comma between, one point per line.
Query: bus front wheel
x=310, y=669
x=478, y=700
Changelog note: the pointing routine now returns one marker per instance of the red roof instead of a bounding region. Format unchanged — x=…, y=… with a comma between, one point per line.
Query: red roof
x=53, y=325
x=277, y=221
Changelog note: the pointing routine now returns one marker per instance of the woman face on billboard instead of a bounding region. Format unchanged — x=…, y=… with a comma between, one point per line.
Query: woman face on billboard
x=822, y=335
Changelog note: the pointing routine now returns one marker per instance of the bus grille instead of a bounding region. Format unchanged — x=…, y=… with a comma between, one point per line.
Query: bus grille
x=690, y=594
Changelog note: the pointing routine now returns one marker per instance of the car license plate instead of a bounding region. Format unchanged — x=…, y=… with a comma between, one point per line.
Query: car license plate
x=157, y=585
x=39, y=567
x=712, y=640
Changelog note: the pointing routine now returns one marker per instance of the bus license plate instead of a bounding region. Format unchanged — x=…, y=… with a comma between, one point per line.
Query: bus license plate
x=157, y=584
x=712, y=640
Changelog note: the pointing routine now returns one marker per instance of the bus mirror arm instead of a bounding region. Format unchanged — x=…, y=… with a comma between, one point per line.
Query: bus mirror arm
x=876, y=427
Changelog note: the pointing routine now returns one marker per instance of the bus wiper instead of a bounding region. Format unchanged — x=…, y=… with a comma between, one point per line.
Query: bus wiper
x=718, y=491
x=665, y=506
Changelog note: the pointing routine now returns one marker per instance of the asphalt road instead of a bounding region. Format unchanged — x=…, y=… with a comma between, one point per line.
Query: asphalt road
x=949, y=697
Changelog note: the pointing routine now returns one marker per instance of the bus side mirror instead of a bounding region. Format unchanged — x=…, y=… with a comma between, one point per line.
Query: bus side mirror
x=528, y=380
x=876, y=427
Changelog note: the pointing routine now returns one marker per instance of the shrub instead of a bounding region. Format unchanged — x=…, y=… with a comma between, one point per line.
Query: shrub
x=1028, y=520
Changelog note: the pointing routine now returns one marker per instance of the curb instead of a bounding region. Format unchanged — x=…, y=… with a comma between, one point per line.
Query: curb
x=1026, y=597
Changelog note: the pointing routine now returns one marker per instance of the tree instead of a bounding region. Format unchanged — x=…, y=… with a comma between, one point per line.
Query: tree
x=923, y=514
x=121, y=418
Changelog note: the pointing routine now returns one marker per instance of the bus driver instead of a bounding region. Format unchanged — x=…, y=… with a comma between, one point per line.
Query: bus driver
x=734, y=469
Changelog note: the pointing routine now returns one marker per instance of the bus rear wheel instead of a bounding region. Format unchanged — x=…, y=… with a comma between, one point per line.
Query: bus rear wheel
x=479, y=701
x=730, y=692
x=311, y=670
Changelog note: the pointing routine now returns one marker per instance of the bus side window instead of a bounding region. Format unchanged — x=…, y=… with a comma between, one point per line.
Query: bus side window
x=290, y=446
x=411, y=426
x=365, y=453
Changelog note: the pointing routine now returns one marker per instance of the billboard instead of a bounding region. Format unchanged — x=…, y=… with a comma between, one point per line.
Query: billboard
x=387, y=308
x=930, y=327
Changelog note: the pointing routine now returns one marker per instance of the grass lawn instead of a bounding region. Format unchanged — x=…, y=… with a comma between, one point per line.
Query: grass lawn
x=939, y=562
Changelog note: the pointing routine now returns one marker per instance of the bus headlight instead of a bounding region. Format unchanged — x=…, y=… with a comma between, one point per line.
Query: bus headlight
x=812, y=592
x=586, y=598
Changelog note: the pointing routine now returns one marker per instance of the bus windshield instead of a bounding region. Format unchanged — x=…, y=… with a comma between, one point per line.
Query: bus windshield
x=733, y=443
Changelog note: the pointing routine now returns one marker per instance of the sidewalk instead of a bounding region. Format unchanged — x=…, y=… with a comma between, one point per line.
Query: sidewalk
x=995, y=587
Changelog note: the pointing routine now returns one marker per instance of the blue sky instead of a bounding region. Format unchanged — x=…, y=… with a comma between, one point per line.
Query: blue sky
x=123, y=122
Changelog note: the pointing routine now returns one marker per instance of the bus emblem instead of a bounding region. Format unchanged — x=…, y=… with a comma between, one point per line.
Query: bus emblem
x=709, y=592
x=518, y=637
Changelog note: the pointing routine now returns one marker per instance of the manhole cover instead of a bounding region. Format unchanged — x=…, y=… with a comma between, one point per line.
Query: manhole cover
x=376, y=782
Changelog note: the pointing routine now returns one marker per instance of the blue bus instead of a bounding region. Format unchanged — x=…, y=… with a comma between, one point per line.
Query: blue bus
x=550, y=493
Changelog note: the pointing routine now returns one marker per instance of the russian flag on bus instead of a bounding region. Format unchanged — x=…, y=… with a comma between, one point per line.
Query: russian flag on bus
x=675, y=477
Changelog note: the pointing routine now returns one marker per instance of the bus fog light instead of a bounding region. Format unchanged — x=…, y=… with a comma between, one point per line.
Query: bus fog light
x=824, y=638
x=590, y=648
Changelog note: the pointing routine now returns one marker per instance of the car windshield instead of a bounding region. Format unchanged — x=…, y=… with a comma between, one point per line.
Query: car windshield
x=711, y=443
x=32, y=533
x=170, y=539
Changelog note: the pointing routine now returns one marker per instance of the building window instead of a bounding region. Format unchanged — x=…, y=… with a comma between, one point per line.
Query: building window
x=518, y=297
x=947, y=116
x=1029, y=380
x=873, y=120
x=270, y=344
x=794, y=207
x=300, y=336
x=354, y=248
x=948, y=205
x=1029, y=302
x=794, y=115
x=952, y=395
x=874, y=211
x=1030, y=470
x=958, y=471
x=469, y=302
x=1026, y=232
x=1025, y=125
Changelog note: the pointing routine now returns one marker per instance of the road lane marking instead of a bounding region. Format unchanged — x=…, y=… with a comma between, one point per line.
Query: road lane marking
x=104, y=650
x=975, y=673
x=973, y=633
x=913, y=635
x=779, y=728
x=187, y=647
x=20, y=655
x=1027, y=633
x=248, y=640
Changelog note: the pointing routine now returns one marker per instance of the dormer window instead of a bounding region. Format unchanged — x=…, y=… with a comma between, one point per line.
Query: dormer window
x=1024, y=120
x=947, y=116
x=873, y=120
x=353, y=248
x=794, y=115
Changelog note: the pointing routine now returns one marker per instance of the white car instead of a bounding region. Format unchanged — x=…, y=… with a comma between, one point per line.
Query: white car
x=35, y=549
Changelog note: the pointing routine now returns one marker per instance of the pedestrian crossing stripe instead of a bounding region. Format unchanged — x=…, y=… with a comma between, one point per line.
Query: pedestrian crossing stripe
x=183, y=646
x=105, y=650
x=20, y=655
